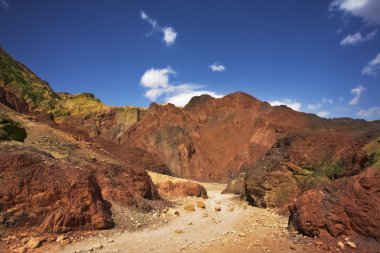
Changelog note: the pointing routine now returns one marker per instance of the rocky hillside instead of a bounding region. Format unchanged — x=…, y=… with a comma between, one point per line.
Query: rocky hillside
x=271, y=155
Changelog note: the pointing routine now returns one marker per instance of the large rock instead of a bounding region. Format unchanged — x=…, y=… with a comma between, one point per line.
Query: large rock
x=176, y=189
x=347, y=206
x=42, y=193
x=126, y=185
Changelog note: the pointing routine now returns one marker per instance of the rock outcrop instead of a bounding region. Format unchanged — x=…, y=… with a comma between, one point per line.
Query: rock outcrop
x=125, y=185
x=40, y=193
x=348, y=206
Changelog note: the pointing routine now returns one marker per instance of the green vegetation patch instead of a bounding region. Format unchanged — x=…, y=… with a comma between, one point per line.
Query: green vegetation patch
x=373, y=153
x=17, y=78
x=11, y=130
x=80, y=105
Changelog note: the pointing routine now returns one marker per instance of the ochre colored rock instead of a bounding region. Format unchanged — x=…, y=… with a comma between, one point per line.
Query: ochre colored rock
x=187, y=188
x=201, y=204
x=347, y=206
x=189, y=207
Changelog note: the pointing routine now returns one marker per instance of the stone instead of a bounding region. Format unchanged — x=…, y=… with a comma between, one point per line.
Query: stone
x=201, y=204
x=218, y=208
x=34, y=242
x=20, y=250
x=189, y=207
x=341, y=245
x=351, y=244
x=179, y=231
x=181, y=189
x=60, y=238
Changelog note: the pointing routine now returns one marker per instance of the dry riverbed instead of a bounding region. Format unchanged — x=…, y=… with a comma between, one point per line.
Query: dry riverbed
x=226, y=224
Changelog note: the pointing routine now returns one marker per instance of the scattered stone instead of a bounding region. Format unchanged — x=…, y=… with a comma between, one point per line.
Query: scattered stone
x=292, y=247
x=205, y=215
x=190, y=223
x=201, y=204
x=241, y=234
x=34, y=242
x=341, y=245
x=60, y=238
x=230, y=209
x=25, y=240
x=189, y=207
x=218, y=208
x=351, y=244
x=20, y=250
x=179, y=231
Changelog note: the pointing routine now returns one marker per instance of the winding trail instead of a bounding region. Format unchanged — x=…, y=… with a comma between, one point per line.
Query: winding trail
x=236, y=228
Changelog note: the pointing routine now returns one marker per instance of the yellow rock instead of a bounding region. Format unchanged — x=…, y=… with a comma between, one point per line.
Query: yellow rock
x=189, y=207
x=341, y=245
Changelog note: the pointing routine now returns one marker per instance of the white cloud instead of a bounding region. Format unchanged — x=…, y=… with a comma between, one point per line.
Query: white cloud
x=157, y=81
x=323, y=114
x=372, y=67
x=357, y=92
x=328, y=101
x=217, y=67
x=181, y=99
x=371, y=112
x=4, y=4
x=156, y=78
x=369, y=10
x=288, y=102
x=353, y=39
x=169, y=34
x=317, y=106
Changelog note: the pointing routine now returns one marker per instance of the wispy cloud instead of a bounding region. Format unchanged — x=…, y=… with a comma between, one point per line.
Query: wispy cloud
x=169, y=34
x=288, y=102
x=314, y=106
x=328, y=101
x=368, y=10
x=372, y=67
x=157, y=81
x=323, y=114
x=317, y=106
x=217, y=67
x=4, y=4
x=371, y=112
x=354, y=39
x=357, y=92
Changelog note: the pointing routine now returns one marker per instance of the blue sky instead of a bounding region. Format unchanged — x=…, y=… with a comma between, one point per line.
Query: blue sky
x=318, y=56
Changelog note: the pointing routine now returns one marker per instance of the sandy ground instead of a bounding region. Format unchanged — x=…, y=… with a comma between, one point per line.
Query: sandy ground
x=236, y=228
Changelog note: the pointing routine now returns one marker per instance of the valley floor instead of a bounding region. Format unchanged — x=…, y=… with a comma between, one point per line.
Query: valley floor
x=237, y=227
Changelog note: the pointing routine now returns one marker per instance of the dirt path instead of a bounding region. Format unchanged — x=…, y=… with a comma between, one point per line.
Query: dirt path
x=237, y=227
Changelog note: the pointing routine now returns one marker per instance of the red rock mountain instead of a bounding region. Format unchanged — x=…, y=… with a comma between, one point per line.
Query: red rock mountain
x=282, y=153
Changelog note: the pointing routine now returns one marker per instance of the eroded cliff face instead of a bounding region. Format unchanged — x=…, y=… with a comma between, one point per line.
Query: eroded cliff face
x=209, y=139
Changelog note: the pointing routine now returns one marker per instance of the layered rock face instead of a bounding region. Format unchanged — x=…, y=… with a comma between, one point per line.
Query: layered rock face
x=209, y=139
x=38, y=192
x=349, y=206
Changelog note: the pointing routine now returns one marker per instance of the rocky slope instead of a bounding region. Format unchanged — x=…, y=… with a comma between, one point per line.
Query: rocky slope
x=272, y=154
